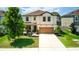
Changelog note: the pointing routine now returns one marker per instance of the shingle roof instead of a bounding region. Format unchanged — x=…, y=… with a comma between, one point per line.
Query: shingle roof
x=67, y=15
x=36, y=13
x=76, y=12
x=40, y=12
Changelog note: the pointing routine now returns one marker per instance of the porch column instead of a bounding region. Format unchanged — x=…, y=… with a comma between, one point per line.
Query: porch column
x=31, y=28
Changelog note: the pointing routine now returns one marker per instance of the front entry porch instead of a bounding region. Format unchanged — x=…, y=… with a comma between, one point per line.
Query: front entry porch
x=31, y=29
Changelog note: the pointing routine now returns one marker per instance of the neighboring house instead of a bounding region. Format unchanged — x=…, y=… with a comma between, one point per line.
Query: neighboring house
x=68, y=19
x=1, y=14
x=2, y=28
x=41, y=21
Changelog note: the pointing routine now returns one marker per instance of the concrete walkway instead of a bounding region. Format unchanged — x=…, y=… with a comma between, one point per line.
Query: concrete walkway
x=49, y=41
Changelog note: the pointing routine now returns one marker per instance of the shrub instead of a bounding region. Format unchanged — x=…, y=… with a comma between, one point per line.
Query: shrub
x=58, y=31
x=2, y=30
x=22, y=42
x=73, y=28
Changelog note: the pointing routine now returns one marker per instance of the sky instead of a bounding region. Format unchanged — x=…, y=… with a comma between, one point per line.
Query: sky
x=60, y=10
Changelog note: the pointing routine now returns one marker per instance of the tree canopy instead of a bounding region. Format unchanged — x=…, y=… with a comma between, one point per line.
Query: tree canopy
x=13, y=22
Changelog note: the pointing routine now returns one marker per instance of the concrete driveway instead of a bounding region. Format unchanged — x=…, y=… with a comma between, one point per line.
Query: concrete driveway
x=49, y=41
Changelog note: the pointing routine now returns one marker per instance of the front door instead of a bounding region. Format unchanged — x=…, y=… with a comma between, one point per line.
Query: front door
x=28, y=28
x=35, y=28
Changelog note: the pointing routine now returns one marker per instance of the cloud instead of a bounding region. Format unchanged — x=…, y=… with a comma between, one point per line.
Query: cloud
x=60, y=10
x=3, y=8
x=26, y=10
x=57, y=10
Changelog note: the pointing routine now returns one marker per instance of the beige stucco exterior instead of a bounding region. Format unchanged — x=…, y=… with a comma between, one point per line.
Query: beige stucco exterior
x=66, y=21
x=39, y=20
x=47, y=23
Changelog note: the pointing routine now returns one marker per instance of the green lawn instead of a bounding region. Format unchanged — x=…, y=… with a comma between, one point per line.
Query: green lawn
x=4, y=42
x=67, y=39
x=22, y=42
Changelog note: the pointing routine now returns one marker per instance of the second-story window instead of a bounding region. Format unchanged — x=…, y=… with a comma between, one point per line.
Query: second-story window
x=76, y=18
x=44, y=19
x=49, y=19
x=27, y=18
x=34, y=18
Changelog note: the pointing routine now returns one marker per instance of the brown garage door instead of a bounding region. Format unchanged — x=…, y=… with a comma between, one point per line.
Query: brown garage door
x=46, y=30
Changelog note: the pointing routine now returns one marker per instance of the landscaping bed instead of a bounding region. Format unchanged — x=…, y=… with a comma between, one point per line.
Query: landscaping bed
x=21, y=42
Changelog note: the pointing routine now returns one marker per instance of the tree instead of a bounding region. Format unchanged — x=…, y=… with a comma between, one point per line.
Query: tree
x=2, y=30
x=13, y=22
x=58, y=29
x=73, y=29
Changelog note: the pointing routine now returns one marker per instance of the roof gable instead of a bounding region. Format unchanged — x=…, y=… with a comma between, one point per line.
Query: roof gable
x=40, y=12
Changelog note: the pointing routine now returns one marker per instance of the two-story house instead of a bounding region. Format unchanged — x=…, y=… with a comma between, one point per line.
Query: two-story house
x=41, y=21
x=68, y=19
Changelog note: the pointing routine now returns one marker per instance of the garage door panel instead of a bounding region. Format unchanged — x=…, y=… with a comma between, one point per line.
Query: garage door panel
x=46, y=30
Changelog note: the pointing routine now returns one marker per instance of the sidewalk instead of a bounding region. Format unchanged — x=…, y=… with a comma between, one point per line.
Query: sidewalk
x=49, y=41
